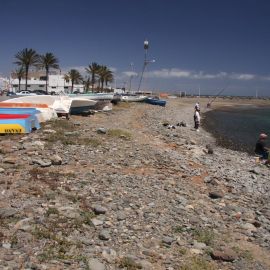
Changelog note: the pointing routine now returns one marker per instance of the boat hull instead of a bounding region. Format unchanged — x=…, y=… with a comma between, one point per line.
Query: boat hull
x=154, y=101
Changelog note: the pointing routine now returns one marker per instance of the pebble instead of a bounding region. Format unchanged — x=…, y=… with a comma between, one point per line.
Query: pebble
x=104, y=235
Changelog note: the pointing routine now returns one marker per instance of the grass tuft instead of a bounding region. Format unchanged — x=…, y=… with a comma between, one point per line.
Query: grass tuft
x=119, y=133
x=197, y=263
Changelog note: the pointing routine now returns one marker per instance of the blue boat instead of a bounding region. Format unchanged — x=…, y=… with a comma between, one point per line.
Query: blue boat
x=28, y=123
x=155, y=101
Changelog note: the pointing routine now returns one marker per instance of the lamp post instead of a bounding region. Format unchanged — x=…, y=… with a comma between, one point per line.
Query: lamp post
x=145, y=62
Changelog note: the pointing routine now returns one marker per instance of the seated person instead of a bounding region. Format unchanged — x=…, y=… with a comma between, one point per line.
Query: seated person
x=260, y=148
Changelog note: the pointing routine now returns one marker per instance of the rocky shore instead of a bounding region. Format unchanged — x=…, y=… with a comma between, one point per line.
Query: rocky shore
x=135, y=188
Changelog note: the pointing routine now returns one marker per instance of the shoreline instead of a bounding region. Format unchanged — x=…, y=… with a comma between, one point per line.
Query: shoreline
x=226, y=140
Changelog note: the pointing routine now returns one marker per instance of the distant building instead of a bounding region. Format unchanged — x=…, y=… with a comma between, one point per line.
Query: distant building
x=37, y=81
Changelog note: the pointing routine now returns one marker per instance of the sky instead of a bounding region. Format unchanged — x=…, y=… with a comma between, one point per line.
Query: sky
x=199, y=46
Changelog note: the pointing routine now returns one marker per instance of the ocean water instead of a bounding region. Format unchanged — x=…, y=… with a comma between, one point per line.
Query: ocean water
x=238, y=128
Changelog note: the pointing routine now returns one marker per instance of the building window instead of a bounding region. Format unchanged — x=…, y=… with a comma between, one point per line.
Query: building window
x=41, y=85
x=53, y=87
x=15, y=85
x=66, y=87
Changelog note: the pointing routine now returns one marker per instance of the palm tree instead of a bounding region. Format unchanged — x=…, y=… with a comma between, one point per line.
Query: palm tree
x=26, y=58
x=93, y=71
x=105, y=75
x=75, y=77
x=47, y=61
x=19, y=73
x=87, y=84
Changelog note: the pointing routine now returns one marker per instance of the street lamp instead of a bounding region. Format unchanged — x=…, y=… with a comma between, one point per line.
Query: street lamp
x=145, y=62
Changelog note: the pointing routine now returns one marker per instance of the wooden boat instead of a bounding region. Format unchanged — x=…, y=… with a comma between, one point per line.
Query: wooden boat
x=14, y=116
x=155, y=101
x=29, y=115
x=45, y=113
x=6, y=128
x=56, y=104
x=22, y=105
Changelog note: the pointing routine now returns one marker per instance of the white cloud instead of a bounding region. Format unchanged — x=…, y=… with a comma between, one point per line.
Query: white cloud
x=197, y=75
x=81, y=69
x=243, y=77
x=130, y=73
x=113, y=69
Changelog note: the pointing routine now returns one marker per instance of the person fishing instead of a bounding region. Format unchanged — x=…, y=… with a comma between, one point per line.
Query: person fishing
x=197, y=119
x=260, y=148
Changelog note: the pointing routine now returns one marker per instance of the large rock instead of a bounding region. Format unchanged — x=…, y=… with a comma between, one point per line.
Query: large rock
x=42, y=163
x=227, y=255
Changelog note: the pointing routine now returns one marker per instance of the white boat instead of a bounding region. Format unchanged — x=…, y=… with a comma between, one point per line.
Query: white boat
x=133, y=98
x=95, y=96
x=80, y=105
x=56, y=104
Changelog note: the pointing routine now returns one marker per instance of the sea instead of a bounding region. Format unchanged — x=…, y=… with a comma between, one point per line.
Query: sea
x=239, y=127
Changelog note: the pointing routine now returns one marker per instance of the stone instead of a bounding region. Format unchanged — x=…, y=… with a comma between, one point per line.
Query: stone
x=7, y=212
x=227, y=255
x=199, y=245
x=104, y=235
x=95, y=264
x=42, y=163
x=168, y=240
x=33, y=145
x=99, y=210
x=101, y=130
x=49, y=131
x=216, y=194
x=6, y=245
x=56, y=160
x=2, y=170
x=96, y=222
x=249, y=227
x=196, y=251
x=109, y=254
x=121, y=216
x=10, y=160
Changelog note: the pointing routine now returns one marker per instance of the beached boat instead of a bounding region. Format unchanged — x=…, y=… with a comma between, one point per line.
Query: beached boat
x=95, y=96
x=155, y=101
x=102, y=105
x=80, y=105
x=18, y=120
x=57, y=104
x=133, y=98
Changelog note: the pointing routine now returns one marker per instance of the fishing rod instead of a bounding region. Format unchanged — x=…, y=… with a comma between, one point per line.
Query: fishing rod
x=218, y=94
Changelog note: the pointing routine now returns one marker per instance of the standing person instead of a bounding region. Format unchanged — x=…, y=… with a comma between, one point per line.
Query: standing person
x=197, y=119
x=260, y=148
x=197, y=106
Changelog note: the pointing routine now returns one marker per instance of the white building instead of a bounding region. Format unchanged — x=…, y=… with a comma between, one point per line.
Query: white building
x=56, y=83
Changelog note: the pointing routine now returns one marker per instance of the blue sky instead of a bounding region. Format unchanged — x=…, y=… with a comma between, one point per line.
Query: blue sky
x=206, y=44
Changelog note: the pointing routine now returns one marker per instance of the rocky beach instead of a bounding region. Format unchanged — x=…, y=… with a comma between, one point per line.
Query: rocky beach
x=134, y=188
